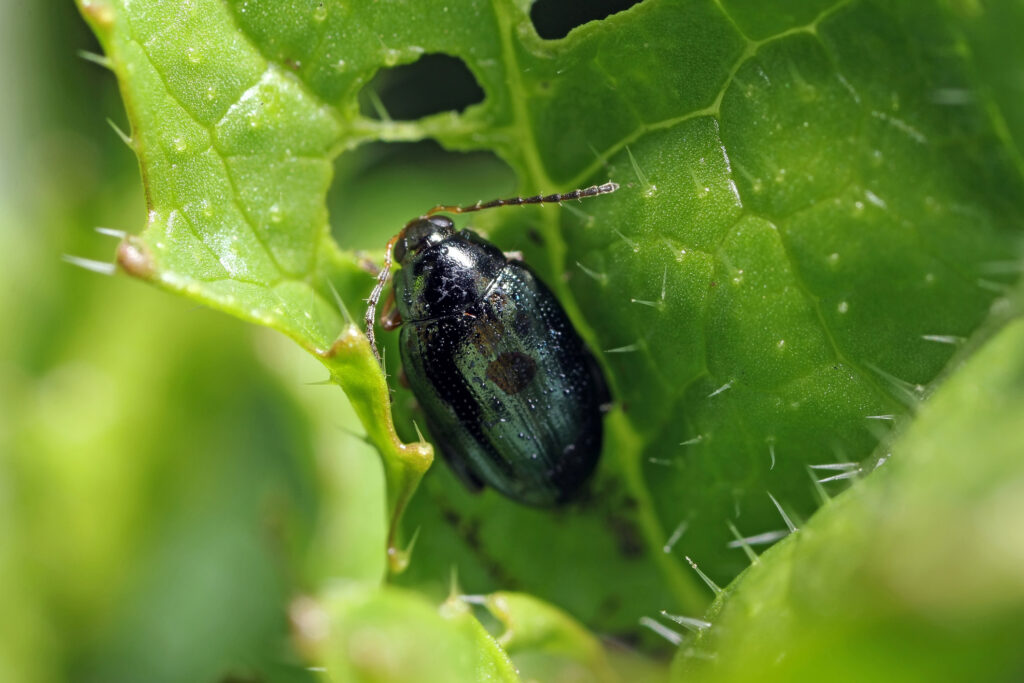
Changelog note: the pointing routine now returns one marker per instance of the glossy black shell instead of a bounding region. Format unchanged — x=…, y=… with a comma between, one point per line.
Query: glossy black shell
x=511, y=394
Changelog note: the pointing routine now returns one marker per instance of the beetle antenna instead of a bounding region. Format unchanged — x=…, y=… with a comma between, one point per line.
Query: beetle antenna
x=592, y=191
x=371, y=307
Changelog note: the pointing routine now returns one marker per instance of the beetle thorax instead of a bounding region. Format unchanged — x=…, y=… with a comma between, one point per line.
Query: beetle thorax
x=446, y=277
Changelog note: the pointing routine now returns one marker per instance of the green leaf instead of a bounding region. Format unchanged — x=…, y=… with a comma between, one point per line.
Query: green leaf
x=786, y=271
x=806, y=229
x=235, y=153
x=546, y=639
x=914, y=573
x=361, y=634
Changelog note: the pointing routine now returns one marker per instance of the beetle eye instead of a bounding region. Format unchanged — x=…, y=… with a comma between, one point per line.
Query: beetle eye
x=400, y=251
x=421, y=233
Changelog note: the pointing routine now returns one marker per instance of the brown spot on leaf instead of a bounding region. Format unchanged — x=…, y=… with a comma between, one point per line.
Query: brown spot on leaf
x=512, y=371
x=135, y=259
x=628, y=537
x=98, y=11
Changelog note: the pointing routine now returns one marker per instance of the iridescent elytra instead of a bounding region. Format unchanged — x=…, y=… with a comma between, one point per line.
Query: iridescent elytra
x=512, y=396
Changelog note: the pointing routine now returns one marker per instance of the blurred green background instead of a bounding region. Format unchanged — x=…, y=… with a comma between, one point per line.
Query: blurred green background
x=145, y=507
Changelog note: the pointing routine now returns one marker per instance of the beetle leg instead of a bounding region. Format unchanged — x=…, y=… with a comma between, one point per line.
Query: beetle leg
x=513, y=255
x=366, y=264
x=371, y=302
x=390, y=318
x=391, y=321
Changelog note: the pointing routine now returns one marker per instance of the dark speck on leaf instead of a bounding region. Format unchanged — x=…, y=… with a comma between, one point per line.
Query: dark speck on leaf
x=627, y=537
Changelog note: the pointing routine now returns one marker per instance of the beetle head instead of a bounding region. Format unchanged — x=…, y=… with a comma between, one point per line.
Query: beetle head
x=421, y=233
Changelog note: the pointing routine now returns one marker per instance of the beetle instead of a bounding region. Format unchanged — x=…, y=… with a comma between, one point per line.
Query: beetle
x=512, y=396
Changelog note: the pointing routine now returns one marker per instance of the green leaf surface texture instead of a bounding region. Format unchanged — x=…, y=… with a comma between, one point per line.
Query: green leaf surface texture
x=914, y=573
x=815, y=201
x=395, y=635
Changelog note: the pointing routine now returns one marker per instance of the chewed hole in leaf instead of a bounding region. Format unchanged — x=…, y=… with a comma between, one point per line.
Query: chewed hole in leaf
x=380, y=186
x=433, y=84
x=553, y=19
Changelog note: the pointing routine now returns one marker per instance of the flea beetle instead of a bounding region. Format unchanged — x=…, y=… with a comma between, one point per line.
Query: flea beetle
x=512, y=396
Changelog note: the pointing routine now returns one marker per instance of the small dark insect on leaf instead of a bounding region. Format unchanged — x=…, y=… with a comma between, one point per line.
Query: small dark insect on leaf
x=512, y=396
